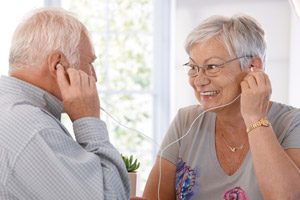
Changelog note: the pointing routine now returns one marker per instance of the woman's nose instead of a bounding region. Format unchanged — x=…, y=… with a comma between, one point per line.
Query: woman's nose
x=201, y=79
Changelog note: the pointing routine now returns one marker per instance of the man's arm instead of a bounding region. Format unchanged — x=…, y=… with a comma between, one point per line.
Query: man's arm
x=87, y=135
x=81, y=102
x=53, y=166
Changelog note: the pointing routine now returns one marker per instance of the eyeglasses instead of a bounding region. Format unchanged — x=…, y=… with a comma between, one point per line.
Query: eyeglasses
x=208, y=69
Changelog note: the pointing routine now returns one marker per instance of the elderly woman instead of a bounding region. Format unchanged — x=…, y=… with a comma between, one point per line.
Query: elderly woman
x=236, y=144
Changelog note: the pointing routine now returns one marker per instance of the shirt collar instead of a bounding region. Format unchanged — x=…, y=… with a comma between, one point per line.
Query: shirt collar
x=32, y=94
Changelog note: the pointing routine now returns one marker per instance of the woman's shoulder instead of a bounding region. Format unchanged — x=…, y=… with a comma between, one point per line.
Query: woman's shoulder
x=190, y=113
x=191, y=108
x=283, y=111
x=284, y=117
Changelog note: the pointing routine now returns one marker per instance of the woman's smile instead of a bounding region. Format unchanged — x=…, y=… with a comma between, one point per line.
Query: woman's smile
x=210, y=93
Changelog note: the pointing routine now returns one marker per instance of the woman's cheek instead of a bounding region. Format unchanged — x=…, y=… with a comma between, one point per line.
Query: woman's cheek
x=192, y=82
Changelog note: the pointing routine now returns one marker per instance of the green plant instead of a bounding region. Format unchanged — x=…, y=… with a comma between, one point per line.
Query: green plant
x=131, y=164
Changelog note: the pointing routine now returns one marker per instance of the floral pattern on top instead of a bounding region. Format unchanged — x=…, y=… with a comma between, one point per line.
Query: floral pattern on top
x=186, y=181
x=236, y=193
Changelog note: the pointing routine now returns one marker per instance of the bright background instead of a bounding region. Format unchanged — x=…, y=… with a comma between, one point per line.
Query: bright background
x=139, y=44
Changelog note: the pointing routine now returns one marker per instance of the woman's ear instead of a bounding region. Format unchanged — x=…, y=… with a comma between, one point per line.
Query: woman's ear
x=55, y=58
x=256, y=63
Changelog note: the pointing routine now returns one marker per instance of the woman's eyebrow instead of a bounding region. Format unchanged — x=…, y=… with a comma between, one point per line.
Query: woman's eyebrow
x=206, y=60
x=192, y=60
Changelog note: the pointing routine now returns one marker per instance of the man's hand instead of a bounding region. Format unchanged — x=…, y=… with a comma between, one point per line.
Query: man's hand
x=79, y=93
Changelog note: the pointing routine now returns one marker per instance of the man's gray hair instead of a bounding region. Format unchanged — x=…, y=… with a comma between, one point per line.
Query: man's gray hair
x=43, y=31
x=241, y=34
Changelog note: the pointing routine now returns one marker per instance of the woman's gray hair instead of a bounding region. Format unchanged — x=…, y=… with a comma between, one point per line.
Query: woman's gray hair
x=241, y=34
x=45, y=30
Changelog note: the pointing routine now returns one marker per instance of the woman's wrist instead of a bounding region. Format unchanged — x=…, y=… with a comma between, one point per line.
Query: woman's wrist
x=263, y=122
x=249, y=120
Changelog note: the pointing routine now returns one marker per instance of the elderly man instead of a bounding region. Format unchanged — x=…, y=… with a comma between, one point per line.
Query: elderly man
x=51, y=71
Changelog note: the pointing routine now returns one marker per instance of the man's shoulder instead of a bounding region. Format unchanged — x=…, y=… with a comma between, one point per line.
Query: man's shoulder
x=20, y=122
x=23, y=113
x=6, y=166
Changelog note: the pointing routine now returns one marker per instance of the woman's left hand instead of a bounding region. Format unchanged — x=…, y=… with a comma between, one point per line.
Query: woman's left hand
x=255, y=96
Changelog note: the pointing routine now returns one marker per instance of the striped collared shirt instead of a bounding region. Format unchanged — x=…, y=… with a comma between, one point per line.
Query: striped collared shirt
x=40, y=160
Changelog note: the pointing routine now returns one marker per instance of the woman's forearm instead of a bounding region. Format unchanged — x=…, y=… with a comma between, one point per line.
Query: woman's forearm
x=278, y=176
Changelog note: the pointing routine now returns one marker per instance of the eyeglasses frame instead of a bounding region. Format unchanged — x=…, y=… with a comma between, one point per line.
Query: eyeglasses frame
x=204, y=67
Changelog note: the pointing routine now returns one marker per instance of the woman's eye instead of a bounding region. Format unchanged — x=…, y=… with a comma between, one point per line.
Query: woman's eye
x=193, y=67
x=212, y=66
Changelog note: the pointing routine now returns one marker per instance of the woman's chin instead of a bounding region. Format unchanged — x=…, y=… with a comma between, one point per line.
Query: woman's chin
x=208, y=101
x=214, y=105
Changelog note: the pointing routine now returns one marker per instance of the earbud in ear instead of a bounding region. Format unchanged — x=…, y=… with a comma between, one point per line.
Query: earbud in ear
x=58, y=64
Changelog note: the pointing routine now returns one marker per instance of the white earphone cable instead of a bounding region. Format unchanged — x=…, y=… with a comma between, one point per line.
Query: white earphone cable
x=132, y=129
x=188, y=131
x=165, y=148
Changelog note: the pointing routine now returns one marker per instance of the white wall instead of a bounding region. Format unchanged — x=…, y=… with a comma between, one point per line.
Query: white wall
x=11, y=12
x=274, y=15
x=294, y=72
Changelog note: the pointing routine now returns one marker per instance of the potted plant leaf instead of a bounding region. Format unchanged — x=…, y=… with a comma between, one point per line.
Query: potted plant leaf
x=132, y=166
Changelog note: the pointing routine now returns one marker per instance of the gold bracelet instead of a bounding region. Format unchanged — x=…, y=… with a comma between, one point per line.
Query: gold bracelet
x=262, y=122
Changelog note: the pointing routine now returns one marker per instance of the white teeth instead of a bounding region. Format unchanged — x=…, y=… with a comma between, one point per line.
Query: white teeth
x=209, y=93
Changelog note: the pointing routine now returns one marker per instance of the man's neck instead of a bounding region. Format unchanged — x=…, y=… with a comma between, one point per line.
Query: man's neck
x=38, y=76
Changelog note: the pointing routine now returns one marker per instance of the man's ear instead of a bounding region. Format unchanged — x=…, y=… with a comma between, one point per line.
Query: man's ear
x=55, y=58
x=256, y=63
